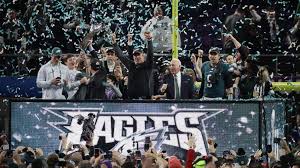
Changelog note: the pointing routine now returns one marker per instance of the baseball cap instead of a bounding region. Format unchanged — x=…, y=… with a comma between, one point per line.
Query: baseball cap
x=138, y=50
x=56, y=51
x=95, y=64
x=214, y=51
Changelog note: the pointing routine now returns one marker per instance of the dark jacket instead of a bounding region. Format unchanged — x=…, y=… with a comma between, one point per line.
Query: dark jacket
x=140, y=82
x=96, y=89
x=186, y=87
x=123, y=88
x=82, y=90
x=246, y=86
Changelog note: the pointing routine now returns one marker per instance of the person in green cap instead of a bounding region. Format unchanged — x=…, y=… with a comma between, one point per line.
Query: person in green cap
x=52, y=76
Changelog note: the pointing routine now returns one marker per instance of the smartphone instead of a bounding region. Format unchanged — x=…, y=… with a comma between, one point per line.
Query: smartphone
x=215, y=145
x=96, y=152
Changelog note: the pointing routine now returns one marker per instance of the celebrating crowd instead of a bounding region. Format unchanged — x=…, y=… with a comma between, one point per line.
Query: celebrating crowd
x=89, y=156
x=103, y=76
x=104, y=70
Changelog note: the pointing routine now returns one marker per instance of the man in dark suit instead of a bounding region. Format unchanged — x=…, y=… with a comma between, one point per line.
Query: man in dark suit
x=177, y=85
x=96, y=88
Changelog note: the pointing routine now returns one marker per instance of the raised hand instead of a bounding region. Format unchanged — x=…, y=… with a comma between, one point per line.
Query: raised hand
x=191, y=141
x=193, y=59
x=114, y=38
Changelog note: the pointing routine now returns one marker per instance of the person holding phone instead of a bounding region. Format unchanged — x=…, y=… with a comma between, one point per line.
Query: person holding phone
x=52, y=76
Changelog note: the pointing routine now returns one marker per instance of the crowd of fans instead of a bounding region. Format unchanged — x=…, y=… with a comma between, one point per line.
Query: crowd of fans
x=89, y=156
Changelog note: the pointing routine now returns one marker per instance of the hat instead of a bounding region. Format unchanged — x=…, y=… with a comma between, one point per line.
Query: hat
x=174, y=162
x=56, y=51
x=95, y=64
x=214, y=51
x=138, y=50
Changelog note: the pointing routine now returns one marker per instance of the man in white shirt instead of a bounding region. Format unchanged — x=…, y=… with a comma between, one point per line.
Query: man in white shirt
x=52, y=76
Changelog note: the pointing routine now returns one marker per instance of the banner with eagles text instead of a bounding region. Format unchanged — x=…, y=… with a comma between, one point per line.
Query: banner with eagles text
x=123, y=125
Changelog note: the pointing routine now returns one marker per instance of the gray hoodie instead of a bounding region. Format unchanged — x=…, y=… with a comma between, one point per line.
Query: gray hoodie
x=48, y=72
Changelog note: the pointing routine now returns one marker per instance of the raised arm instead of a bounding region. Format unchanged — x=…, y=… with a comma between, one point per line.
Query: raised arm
x=197, y=63
x=243, y=50
x=117, y=91
x=130, y=46
x=125, y=60
x=255, y=16
x=149, y=59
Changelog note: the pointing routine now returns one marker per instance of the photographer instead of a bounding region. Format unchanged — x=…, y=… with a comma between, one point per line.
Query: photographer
x=215, y=77
x=52, y=76
x=87, y=128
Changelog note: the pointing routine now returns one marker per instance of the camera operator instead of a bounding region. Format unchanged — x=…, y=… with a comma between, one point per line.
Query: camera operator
x=215, y=76
x=87, y=128
x=52, y=76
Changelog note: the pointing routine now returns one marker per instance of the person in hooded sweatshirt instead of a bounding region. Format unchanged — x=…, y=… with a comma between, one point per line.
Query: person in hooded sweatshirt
x=52, y=76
